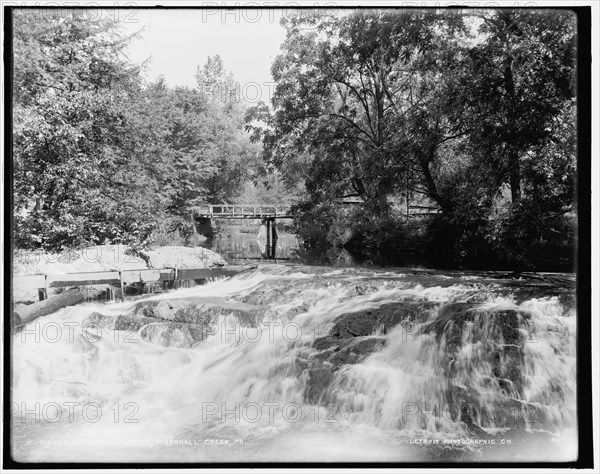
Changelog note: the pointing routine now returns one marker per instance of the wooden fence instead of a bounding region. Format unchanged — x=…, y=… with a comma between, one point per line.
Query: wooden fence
x=120, y=278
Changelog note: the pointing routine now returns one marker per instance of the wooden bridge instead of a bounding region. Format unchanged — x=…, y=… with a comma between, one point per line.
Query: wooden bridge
x=272, y=211
x=267, y=213
x=203, y=215
x=242, y=211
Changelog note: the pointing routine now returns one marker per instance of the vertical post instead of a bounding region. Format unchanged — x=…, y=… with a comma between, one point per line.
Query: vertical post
x=176, y=281
x=407, y=199
x=268, y=225
x=122, y=285
x=195, y=231
x=273, y=239
x=43, y=292
x=142, y=283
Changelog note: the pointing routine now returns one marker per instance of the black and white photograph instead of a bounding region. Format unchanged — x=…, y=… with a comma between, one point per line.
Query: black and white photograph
x=313, y=235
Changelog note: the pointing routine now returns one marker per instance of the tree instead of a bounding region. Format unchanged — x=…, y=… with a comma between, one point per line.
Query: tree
x=517, y=81
x=228, y=146
x=517, y=101
x=110, y=157
x=71, y=89
x=359, y=94
x=375, y=103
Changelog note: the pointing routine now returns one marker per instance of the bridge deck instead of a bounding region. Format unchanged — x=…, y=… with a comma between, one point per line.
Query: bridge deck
x=242, y=211
x=261, y=211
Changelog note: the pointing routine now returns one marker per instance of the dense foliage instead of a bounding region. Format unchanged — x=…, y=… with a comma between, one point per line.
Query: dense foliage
x=101, y=157
x=470, y=117
x=473, y=116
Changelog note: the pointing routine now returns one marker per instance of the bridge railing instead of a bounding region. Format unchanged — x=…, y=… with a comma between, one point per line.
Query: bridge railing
x=244, y=210
x=271, y=210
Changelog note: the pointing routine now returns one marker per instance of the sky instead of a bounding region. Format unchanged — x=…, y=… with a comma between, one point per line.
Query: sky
x=177, y=41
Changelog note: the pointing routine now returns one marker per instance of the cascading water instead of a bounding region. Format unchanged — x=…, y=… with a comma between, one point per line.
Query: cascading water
x=292, y=363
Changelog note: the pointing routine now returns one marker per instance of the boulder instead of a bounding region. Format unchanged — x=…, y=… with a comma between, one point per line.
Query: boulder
x=100, y=320
x=317, y=380
x=353, y=338
x=179, y=322
x=498, y=332
x=133, y=323
x=386, y=317
x=173, y=334
x=197, y=310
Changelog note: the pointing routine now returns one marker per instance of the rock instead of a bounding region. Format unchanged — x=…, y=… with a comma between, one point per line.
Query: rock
x=355, y=324
x=333, y=353
x=164, y=333
x=497, y=331
x=355, y=350
x=455, y=313
x=317, y=379
x=197, y=310
x=386, y=317
x=351, y=339
x=478, y=413
x=182, y=322
x=302, y=308
x=283, y=291
x=329, y=343
x=132, y=323
x=173, y=334
x=100, y=320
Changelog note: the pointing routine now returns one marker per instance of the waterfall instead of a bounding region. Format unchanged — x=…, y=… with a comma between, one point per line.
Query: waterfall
x=295, y=363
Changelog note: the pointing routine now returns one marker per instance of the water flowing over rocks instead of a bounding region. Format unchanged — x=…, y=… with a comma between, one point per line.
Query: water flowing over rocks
x=405, y=353
x=177, y=322
x=354, y=336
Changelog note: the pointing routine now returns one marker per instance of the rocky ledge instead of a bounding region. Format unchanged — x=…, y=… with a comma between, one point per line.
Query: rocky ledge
x=177, y=322
x=468, y=341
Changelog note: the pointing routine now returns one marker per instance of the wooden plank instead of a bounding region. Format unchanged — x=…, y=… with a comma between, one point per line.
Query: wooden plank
x=100, y=278
x=167, y=274
x=97, y=281
x=199, y=273
x=83, y=279
x=146, y=275
x=114, y=277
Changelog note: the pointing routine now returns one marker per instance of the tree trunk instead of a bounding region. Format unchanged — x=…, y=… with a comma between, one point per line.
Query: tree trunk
x=43, y=308
x=514, y=170
x=379, y=205
x=514, y=176
x=433, y=193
